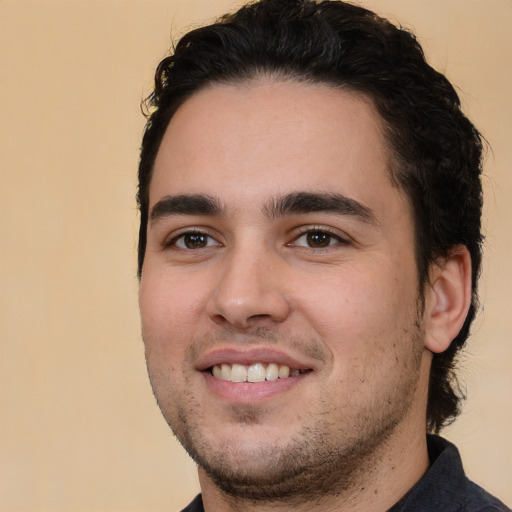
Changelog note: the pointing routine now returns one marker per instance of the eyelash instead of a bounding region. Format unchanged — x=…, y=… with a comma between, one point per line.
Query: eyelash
x=191, y=232
x=331, y=238
x=319, y=230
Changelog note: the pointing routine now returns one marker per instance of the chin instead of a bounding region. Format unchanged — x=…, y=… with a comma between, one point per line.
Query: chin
x=257, y=473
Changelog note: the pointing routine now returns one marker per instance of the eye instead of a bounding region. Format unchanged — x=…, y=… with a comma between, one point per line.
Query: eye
x=194, y=240
x=317, y=239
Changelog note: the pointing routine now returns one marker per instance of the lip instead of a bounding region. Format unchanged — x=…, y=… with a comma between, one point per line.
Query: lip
x=250, y=356
x=250, y=393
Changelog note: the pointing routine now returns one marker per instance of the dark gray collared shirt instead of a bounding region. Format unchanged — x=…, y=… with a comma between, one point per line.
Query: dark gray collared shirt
x=443, y=488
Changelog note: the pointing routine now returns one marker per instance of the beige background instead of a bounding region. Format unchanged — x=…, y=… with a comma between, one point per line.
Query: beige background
x=79, y=429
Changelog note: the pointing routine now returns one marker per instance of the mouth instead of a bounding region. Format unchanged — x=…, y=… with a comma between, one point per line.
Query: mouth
x=256, y=372
x=250, y=375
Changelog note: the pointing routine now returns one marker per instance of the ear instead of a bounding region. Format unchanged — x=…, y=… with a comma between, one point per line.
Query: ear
x=447, y=298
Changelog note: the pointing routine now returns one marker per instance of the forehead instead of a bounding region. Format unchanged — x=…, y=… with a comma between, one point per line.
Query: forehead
x=252, y=141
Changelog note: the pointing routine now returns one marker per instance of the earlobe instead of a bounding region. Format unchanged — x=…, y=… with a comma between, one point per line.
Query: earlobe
x=447, y=299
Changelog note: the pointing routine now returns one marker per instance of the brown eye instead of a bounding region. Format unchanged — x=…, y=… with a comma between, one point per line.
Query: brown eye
x=194, y=240
x=319, y=239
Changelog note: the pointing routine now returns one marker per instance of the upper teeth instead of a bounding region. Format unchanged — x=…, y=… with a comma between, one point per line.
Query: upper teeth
x=253, y=373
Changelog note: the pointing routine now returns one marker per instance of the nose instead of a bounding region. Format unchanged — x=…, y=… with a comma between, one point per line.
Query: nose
x=250, y=291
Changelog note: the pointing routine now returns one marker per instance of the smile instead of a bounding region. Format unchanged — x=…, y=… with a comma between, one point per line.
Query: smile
x=258, y=372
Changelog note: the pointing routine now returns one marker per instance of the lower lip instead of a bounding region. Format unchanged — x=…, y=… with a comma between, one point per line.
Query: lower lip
x=250, y=392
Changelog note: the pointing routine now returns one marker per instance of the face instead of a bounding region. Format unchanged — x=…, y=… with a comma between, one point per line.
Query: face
x=279, y=293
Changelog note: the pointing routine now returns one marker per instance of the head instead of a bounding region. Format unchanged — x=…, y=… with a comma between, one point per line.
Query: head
x=435, y=152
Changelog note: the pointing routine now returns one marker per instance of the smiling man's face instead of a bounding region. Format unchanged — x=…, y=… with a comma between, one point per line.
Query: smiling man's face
x=280, y=252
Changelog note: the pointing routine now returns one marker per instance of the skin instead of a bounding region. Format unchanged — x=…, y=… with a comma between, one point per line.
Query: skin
x=332, y=292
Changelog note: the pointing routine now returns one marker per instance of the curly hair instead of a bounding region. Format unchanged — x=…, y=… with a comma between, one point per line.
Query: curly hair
x=437, y=152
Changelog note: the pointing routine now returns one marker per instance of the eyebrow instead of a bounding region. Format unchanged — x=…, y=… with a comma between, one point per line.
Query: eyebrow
x=311, y=202
x=294, y=203
x=185, y=204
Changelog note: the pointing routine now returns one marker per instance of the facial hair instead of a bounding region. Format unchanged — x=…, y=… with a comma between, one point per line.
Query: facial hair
x=330, y=455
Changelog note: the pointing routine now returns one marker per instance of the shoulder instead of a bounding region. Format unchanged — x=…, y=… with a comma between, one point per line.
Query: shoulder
x=446, y=487
x=468, y=496
x=195, y=506
x=476, y=499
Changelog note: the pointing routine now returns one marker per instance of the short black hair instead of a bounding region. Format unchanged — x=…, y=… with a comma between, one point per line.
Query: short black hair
x=436, y=150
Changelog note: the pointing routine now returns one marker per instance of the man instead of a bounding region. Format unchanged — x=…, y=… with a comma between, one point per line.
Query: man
x=309, y=248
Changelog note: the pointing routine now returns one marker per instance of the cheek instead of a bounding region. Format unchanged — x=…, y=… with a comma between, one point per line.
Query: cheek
x=170, y=302
x=358, y=311
x=169, y=320
x=350, y=295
